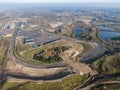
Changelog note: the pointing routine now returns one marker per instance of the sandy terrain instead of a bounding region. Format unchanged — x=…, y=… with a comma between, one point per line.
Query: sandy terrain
x=69, y=57
x=18, y=68
x=79, y=67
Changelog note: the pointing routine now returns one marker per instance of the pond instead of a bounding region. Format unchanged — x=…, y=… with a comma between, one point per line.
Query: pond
x=106, y=35
x=78, y=32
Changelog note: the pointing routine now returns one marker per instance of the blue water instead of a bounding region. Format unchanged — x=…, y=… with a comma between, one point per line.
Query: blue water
x=85, y=31
x=106, y=35
x=77, y=33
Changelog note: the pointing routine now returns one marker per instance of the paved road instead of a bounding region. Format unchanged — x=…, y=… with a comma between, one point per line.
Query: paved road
x=47, y=77
x=93, y=50
x=11, y=55
x=91, y=87
x=96, y=79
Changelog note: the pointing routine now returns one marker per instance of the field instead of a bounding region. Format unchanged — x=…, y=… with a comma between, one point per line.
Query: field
x=108, y=87
x=68, y=83
x=4, y=43
x=51, y=55
x=116, y=27
x=7, y=85
x=108, y=65
x=25, y=52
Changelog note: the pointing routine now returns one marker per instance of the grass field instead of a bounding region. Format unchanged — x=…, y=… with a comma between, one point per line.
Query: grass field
x=108, y=65
x=4, y=43
x=7, y=85
x=116, y=27
x=108, y=87
x=68, y=83
x=28, y=52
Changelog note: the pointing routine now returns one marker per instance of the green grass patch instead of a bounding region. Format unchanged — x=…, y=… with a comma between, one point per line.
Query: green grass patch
x=108, y=64
x=115, y=27
x=4, y=43
x=51, y=55
x=50, y=59
x=8, y=85
x=28, y=52
x=68, y=83
x=108, y=87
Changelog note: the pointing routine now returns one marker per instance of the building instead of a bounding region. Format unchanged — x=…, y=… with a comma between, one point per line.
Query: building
x=28, y=41
x=21, y=25
x=54, y=25
x=11, y=26
x=51, y=30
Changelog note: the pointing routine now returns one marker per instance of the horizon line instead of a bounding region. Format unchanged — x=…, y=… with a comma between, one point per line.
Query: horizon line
x=52, y=2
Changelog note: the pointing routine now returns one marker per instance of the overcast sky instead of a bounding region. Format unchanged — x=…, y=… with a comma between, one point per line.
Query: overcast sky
x=54, y=1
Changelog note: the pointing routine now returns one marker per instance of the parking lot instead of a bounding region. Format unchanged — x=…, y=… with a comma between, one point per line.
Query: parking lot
x=39, y=37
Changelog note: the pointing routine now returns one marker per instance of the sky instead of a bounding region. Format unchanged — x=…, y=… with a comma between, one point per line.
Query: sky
x=54, y=1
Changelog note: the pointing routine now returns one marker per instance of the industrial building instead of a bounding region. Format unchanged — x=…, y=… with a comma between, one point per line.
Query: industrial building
x=21, y=25
x=28, y=41
x=9, y=26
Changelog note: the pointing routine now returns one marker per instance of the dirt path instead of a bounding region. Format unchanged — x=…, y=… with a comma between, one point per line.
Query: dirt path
x=79, y=67
x=90, y=87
